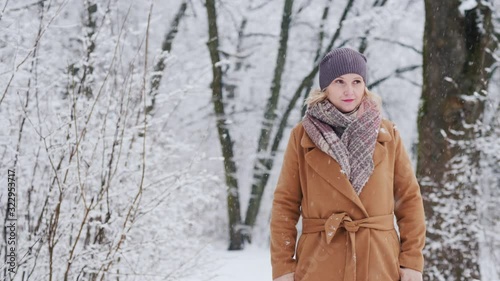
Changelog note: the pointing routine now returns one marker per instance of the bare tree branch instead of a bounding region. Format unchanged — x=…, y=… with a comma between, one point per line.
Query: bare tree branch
x=398, y=43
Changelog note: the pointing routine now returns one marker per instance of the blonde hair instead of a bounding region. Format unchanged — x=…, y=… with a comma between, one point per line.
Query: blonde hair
x=317, y=95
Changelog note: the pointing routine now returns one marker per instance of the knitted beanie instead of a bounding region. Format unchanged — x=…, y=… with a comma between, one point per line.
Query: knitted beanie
x=339, y=62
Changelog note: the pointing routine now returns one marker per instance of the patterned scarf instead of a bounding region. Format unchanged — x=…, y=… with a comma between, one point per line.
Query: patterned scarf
x=354, y=149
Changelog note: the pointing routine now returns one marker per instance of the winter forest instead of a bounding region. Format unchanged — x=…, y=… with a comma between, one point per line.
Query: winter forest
x=145, y=138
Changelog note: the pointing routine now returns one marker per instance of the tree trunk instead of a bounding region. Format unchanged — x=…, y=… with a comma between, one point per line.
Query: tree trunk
x=262, y=163
x=452, y=104
x=88, y=68
x=233, y=202
x=490, y=184
x=166, y=47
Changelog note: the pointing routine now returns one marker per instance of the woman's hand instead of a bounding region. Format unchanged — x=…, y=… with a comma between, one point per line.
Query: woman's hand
x=408, y=274
x=286, y=277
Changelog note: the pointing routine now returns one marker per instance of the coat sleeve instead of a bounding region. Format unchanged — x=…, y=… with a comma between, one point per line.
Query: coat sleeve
x=286, y=212
x=409, y=209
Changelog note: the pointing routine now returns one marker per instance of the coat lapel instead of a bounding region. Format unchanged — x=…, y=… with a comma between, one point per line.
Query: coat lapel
x=330, y=170
x=380, y=151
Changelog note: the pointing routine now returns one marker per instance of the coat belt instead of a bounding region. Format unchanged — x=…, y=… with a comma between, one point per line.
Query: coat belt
x=342, y=220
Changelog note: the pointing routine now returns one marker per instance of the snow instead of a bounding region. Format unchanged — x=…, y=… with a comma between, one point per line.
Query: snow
x=253, y=263
x=467, y=5
x=184, y=177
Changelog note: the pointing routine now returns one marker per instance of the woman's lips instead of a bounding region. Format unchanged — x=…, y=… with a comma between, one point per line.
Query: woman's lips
x=350, y=100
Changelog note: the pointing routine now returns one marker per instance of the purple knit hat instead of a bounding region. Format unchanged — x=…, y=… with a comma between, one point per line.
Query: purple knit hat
x=339, y=62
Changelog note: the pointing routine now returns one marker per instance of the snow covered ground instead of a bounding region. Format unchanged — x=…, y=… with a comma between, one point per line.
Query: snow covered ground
x=251, y=264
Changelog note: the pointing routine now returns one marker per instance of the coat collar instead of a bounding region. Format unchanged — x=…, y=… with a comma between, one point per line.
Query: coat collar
x=330, y=170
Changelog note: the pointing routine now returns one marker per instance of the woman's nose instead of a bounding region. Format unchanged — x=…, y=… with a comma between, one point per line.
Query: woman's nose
x=349, y=89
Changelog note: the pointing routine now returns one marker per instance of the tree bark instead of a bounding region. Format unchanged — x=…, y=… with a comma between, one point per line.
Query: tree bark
x=262, y=164
x=233, y=202
x=455, y=81
x=88, y=68
x=166, y=47
x=490, y=184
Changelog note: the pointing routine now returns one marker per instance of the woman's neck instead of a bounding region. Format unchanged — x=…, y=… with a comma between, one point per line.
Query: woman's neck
x=352, y=112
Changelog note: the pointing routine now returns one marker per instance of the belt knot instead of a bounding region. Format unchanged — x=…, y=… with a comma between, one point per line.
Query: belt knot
x=335, y=221
x=343, y=220
x=351, y=226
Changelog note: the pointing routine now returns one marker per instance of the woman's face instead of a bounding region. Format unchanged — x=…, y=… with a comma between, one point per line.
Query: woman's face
x=346, y=92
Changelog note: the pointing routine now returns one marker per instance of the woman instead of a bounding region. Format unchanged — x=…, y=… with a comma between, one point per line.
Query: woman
x=347, y=173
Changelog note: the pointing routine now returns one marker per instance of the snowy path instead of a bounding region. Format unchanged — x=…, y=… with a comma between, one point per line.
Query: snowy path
x=251, y=264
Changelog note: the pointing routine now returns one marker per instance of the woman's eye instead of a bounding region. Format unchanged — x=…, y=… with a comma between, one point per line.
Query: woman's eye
x=339, y=82
x=357, y=81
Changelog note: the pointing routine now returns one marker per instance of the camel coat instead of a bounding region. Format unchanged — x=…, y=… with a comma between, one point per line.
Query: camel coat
x=345, y=236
